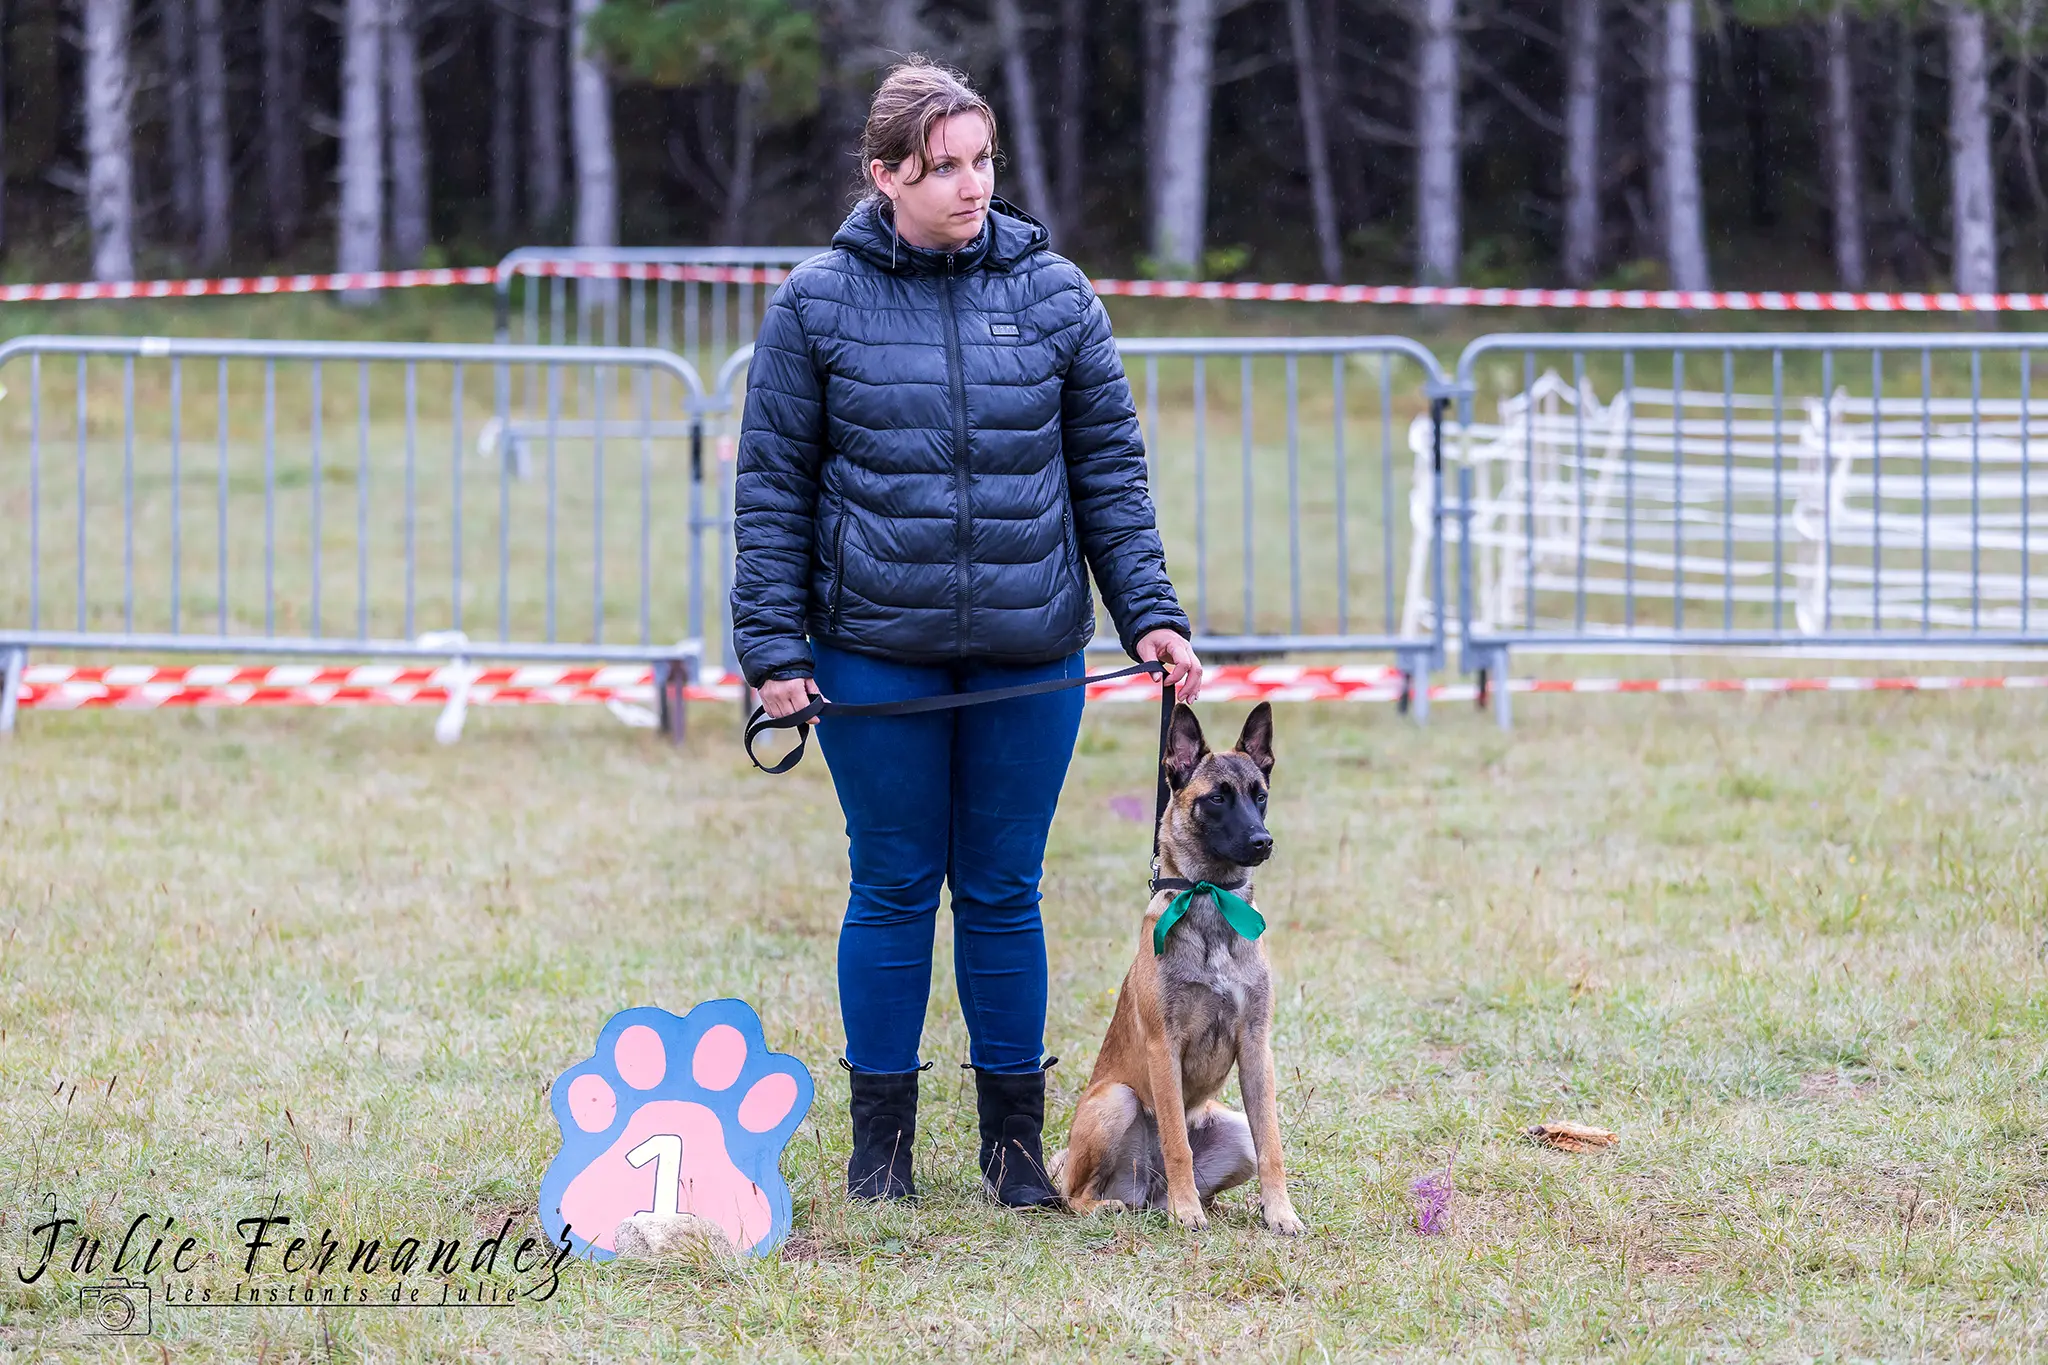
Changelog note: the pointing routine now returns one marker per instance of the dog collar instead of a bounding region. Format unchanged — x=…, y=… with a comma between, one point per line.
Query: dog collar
x=1236, y=910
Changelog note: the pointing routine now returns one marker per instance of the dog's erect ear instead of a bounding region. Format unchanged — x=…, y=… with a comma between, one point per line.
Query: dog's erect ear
x=1185, y=747
x=1255, y=741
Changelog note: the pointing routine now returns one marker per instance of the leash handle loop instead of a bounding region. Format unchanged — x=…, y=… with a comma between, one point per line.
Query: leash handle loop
x=760, y=722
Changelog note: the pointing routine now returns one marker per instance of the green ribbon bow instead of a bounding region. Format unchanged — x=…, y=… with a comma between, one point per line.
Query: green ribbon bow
x=1237, y=913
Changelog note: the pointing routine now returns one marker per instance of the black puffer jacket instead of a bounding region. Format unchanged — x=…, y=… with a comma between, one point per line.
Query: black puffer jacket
x=932, y=444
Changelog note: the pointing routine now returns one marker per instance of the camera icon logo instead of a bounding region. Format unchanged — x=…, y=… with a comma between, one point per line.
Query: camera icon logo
x=121, y=1307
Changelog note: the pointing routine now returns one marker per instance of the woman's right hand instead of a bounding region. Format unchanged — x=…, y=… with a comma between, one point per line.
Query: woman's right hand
x=781, y=696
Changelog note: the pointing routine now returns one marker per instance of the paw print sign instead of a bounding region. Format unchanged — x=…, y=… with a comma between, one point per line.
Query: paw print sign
x=675, y=1116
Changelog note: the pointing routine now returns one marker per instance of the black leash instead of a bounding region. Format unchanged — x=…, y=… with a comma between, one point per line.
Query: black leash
x=799, y=720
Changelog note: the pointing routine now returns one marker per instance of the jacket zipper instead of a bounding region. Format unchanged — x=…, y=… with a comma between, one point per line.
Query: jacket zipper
x=838, y=562
x=957, y=380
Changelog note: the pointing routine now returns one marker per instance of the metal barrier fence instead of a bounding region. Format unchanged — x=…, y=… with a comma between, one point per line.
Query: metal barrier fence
x=331, y=500
x=704, y=321
x=1285, y=498
x=1870, y=493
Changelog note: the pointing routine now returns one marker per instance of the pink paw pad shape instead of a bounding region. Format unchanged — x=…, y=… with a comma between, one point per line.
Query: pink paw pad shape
x=675, y=1115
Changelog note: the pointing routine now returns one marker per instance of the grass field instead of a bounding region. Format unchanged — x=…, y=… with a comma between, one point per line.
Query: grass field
x=1791, y=950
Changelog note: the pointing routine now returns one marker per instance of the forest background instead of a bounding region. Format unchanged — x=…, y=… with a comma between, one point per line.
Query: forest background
x=1736, y=143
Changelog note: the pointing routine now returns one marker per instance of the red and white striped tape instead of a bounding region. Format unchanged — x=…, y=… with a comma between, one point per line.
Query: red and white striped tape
x=60, y=687
x=1439, y=296
x=247, y=284
x=1461, y=296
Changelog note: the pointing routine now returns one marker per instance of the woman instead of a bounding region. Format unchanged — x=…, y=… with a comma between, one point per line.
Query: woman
x=937, y=433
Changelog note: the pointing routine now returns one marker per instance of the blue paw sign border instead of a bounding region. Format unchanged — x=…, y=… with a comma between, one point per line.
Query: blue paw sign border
x=673, y=1114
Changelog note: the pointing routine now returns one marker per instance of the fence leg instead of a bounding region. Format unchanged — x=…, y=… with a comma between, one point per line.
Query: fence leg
x=1466, y=660
x=1414, y=666
x=1503, y=712
x=696, y=585
x=461, y=675
x=671, y=678
x=13, y=661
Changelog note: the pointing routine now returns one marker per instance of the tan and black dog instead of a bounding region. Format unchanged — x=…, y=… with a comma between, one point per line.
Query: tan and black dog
x=1149, y=1132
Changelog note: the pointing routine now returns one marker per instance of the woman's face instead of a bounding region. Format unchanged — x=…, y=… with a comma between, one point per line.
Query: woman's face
x=943, y=209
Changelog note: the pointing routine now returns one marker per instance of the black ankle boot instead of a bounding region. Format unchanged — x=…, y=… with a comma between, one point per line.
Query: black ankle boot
x=884, y=1129
x=1012, y=1112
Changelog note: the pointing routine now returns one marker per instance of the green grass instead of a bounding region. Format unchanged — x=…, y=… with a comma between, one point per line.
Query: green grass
x=1790, y=949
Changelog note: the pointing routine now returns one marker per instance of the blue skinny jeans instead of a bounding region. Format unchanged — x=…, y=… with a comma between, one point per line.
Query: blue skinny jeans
x=962, y=797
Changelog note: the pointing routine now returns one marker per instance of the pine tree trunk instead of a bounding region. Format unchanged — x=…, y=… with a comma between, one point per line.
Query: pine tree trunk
x=360, y=211
x=590, y=117
x=1650, y=232
x=181, y=135
x=215, y=204
x=109, y=144
x=1352, y=196
x=1903, y=201
x=1969, y=151
x=902, y=29
x=1156, y=23
x=845, y=35
x=504, y=117
x=408, y=134
x=1315, y=142
x=1845, y=155
x=1439, y=245
x=2025, y=149
x=1764, y=176
x=1073, y=116
x=739, y=185
x=284, y=160
x=1685, y=234
x=1582, y=227
x=1021, y=118
x=1184, y=159
x=546, y=158
x=3, y=128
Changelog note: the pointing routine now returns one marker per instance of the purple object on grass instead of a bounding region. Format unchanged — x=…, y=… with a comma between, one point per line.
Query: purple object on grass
x=1131, y=808
x=1433, y=1203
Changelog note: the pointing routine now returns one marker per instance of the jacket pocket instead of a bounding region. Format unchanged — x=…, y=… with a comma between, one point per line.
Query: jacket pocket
x=838, y=565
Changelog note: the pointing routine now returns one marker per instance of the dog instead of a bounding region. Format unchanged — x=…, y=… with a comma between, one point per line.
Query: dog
x=1149, y=1132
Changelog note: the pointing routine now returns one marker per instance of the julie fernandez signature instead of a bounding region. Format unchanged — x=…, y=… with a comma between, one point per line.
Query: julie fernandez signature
x=156, y=1260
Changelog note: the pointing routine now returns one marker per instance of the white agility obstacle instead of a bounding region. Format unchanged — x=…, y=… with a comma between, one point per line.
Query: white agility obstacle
x=1676, y=508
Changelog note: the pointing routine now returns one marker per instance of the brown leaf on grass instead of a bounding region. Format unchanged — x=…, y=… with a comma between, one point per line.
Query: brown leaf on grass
x=1572, y=1137
x=1835, y=1085
x=801, y=1249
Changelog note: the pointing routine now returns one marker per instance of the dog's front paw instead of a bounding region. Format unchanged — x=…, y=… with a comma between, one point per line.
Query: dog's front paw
x=1190, y=1215
x=1281, y=1219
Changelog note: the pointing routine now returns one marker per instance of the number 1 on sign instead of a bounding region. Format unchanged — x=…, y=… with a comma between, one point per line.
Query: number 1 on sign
x=665, y=1150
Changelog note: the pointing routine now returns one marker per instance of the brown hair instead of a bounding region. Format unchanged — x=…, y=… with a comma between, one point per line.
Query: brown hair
x=912, y=99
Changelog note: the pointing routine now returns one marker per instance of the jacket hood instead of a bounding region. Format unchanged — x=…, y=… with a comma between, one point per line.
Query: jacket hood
x=1007, y=236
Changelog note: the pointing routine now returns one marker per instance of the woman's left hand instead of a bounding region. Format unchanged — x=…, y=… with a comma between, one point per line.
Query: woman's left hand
x=1183, y=669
